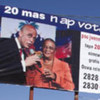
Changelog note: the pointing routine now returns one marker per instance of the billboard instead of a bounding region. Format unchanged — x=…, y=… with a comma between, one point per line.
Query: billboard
x=48, y=51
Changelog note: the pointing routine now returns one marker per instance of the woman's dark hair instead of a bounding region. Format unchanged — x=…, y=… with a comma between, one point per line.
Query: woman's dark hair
x=48, y=39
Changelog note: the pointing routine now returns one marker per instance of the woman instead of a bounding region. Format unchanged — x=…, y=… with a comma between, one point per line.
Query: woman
x=53, y=74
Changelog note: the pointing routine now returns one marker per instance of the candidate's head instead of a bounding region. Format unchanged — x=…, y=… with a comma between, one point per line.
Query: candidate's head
x=49, y=48
x=27, y=36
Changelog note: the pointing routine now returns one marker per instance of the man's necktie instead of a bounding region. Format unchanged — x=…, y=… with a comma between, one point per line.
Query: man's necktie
x=20, y=51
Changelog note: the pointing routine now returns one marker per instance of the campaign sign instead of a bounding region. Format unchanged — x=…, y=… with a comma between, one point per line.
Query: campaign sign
x=48, y=51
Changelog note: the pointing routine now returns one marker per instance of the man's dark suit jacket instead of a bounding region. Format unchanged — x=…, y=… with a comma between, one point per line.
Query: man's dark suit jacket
x=10, y=62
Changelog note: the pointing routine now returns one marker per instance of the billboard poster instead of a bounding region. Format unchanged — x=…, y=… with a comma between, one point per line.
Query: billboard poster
x=89, y=62
x=48, y=51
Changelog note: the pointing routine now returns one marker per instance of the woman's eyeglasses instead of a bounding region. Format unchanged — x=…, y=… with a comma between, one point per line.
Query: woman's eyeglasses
x=49, y=47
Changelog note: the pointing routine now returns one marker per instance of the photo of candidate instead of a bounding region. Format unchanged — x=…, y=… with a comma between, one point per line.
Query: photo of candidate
x=27, y=37
x=13, y=60
x=53, y=74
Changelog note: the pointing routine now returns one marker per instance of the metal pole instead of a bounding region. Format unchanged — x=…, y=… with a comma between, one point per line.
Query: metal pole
x=76, y=96
x=31, y=93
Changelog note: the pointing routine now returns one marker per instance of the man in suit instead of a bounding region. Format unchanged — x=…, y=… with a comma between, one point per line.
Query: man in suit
x=13, y=61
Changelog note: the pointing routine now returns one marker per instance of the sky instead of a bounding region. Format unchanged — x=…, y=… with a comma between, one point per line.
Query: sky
x=89, y=9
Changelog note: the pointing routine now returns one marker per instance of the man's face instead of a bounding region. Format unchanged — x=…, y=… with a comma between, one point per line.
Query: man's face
x=27, y=36
x=49, y=49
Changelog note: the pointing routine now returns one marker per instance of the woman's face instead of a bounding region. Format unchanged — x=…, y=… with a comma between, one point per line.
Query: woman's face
x=49, y=49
